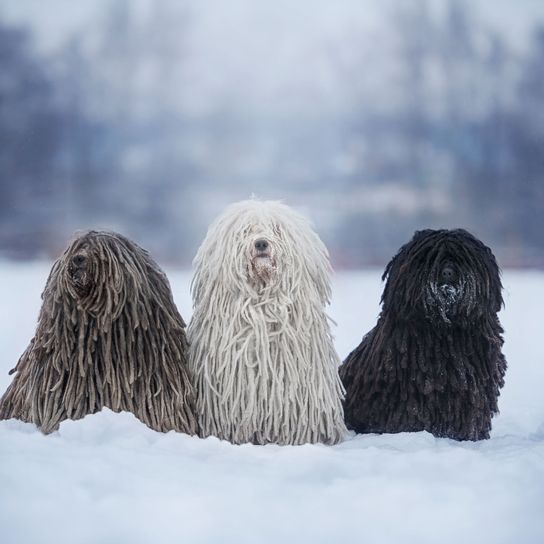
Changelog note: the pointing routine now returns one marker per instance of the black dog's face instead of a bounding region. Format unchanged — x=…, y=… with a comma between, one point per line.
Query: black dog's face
x=445, y=289
x=446, y=276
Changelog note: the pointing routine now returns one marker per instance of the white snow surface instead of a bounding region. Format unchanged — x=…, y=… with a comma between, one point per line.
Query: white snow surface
x=110, y=479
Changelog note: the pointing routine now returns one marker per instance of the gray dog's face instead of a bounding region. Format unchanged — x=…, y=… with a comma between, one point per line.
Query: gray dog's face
x=101, y=271
x=80, y=268
x=90, y=265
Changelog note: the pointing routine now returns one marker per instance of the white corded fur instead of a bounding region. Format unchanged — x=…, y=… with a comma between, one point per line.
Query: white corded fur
x=261, y=349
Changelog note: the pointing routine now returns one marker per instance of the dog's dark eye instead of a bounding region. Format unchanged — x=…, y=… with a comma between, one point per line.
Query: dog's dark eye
x=79, y=260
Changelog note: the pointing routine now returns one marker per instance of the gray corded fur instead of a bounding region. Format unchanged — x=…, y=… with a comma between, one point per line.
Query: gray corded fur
x=261, y=349
x=108, y=335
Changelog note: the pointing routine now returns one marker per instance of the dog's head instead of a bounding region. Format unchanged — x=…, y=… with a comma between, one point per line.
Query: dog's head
x=446, y=276
x=99, y=271
x=262, y=246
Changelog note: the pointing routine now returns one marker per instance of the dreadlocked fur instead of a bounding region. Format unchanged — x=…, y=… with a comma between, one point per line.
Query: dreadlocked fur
x=108, y=335
x=433, y=362
x=261, y=348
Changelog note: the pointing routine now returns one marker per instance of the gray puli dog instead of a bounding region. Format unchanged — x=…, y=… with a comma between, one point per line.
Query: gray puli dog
x=108, y=335
x=433, y=362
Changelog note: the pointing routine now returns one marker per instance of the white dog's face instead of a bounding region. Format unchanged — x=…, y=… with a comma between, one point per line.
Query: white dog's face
x=263, y=254
x=261, y=248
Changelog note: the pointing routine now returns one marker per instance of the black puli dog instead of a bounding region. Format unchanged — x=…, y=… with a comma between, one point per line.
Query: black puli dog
x=433, y=362
x=108, y=335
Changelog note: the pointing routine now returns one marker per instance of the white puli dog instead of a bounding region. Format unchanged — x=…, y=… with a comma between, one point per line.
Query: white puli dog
x=261, y=350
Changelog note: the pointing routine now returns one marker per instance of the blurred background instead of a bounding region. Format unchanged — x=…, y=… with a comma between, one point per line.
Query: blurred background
x=375, y=118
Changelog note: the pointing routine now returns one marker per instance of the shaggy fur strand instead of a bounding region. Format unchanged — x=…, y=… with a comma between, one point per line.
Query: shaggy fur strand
x=433, y=362
x=261, y=349
x=108, y=335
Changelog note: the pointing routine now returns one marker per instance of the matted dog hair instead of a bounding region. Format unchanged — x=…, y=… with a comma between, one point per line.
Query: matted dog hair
x=261, y=348
x=108, y=335
x=433, y=362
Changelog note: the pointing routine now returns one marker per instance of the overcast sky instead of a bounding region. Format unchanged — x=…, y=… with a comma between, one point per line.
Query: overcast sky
x=272, y=54
x=54, y=19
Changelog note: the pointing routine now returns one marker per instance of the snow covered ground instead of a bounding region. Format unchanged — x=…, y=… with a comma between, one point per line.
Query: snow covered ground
x=110, y=479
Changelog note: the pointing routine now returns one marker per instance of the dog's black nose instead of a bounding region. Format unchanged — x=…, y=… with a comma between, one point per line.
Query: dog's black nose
x=261, y=245
x=79, y=260
x=448, y=274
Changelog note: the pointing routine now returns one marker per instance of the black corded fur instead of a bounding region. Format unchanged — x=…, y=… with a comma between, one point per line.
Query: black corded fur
x=433, y=362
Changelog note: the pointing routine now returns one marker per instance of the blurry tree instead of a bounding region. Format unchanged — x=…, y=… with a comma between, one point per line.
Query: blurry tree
x=457, y=126
x=87, y=165
x=499, y=170
x=527, y=137
x=30, y=126
x=134, y=96
x=444, y=127
x=416, y=33
x=459, y=63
